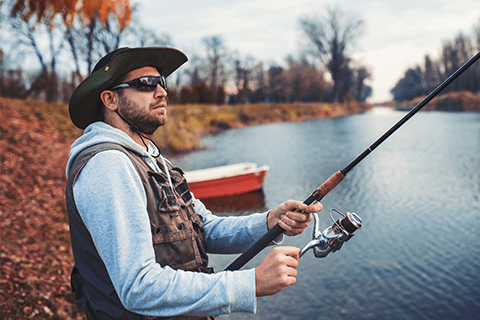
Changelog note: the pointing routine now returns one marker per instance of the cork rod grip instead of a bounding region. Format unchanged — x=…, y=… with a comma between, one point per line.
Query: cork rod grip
x=331, y=183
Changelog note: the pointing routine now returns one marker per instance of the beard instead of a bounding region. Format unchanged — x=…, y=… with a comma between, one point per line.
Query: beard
x=138, y=116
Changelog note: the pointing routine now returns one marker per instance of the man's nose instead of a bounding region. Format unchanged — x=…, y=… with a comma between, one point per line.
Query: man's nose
x=159, y=91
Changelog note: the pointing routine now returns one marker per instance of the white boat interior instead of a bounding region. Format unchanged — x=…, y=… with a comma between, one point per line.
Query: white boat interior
x=223, y=172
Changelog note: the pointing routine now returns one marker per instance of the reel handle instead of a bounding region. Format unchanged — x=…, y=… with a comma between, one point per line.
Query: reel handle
x=333, y=237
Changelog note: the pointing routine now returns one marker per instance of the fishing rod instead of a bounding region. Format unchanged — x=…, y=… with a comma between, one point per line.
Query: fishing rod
x=341, y=230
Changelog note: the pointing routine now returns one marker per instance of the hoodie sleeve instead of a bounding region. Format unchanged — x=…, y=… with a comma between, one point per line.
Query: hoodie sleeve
x=112, y=203
x=233, y=234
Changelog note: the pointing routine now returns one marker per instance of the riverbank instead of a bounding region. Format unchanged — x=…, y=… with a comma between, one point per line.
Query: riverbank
x=187, y=124
x=452, y=101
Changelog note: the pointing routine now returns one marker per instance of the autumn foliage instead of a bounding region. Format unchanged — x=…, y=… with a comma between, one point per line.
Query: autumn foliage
x=36, y=258
x=69, y=9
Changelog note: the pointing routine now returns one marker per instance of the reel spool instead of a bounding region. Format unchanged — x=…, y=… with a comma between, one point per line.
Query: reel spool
x=332, y=238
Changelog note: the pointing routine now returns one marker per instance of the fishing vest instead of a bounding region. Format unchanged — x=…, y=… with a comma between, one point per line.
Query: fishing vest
x=177, y=233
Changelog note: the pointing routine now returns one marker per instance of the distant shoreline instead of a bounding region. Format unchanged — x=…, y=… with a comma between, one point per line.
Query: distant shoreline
x=188, y=123
x=452, y=101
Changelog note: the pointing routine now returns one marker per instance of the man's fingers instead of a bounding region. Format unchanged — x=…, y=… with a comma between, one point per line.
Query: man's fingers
x=291, y=231
x=289, y=255
x=294, y=222
x=294, y=214
x=292, y=272
x=298, y=216
x=290, y=225
x=315, y=207
x=277, y=270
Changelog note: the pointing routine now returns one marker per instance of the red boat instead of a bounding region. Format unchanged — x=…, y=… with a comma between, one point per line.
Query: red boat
x=226, y=180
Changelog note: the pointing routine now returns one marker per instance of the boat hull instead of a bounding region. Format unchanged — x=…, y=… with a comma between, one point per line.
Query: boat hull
x=229, y=185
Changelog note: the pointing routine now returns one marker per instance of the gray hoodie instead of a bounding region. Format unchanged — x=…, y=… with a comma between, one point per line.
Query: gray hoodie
x=111, y=201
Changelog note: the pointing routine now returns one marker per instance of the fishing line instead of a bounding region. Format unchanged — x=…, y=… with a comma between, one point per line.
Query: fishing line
x=418, y=157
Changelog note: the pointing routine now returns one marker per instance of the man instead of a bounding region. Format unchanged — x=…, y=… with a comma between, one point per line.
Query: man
x=139, y=237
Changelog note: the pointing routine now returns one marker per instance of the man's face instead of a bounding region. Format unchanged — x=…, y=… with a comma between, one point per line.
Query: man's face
x=145, y=109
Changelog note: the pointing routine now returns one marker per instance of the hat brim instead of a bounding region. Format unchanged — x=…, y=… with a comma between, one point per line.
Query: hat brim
x=83, y=104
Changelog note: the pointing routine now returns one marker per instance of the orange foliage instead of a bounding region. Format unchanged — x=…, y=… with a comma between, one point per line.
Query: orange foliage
x=69, y=9
x=35, y=255
x=117, y=8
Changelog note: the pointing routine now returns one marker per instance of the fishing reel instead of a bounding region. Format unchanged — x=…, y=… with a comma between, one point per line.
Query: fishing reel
x=332, y=238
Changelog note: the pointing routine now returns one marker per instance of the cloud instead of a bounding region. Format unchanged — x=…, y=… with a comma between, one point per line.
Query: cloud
x=399, y=32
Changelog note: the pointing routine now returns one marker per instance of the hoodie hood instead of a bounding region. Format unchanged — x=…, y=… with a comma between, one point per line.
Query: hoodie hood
x=100, y=132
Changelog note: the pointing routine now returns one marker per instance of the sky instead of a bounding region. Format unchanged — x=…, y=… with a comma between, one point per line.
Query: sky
x=398, y=33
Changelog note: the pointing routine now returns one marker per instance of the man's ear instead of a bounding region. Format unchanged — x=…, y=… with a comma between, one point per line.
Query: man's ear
x=109, y=99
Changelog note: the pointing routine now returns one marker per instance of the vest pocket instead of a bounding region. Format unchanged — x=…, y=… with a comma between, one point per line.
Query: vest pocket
x=163, y=193
x=175, y=246
x=184, y=192
x=175, y=225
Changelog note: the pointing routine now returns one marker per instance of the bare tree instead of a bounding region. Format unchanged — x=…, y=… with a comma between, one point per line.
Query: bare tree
x=87, y=29
x=360, y=90
x=449, y=59
x=408, y=88
x=331, y=38
x=109, y=35
x=148, y=37
x=258, y=84
x=431, y=77
x=216, y=52
x=476, y=35
x=29, y=39
x=303, y=81
x=90, y=38
x=476, y=44
x=275, y=84
x=454, y=54
x=243, y=76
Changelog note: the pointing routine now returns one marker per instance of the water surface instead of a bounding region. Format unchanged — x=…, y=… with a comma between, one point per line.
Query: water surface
x=418, y=254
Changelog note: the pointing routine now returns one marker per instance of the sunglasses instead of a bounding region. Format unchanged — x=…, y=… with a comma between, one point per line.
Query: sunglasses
x=144, y=83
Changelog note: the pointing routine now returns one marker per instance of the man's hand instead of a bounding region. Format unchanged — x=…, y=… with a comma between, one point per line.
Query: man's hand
x=277, y=271
x=293, y=222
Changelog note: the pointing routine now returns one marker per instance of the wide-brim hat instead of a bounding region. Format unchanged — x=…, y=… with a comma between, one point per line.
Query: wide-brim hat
x=83, y=105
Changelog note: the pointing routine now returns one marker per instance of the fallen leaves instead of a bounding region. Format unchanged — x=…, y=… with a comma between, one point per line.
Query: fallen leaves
x=35, y=256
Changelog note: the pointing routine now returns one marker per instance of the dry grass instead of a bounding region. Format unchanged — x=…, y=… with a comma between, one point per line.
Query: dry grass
x=452, y=101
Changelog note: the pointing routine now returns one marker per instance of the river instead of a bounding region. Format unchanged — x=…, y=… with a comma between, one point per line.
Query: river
x=418, y=253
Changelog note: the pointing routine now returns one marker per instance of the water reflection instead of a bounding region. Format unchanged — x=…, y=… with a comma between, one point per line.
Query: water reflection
x=237, y=204
x=418, y=254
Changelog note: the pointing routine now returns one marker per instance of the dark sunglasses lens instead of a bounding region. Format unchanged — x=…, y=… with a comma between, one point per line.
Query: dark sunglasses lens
x=150, y=83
